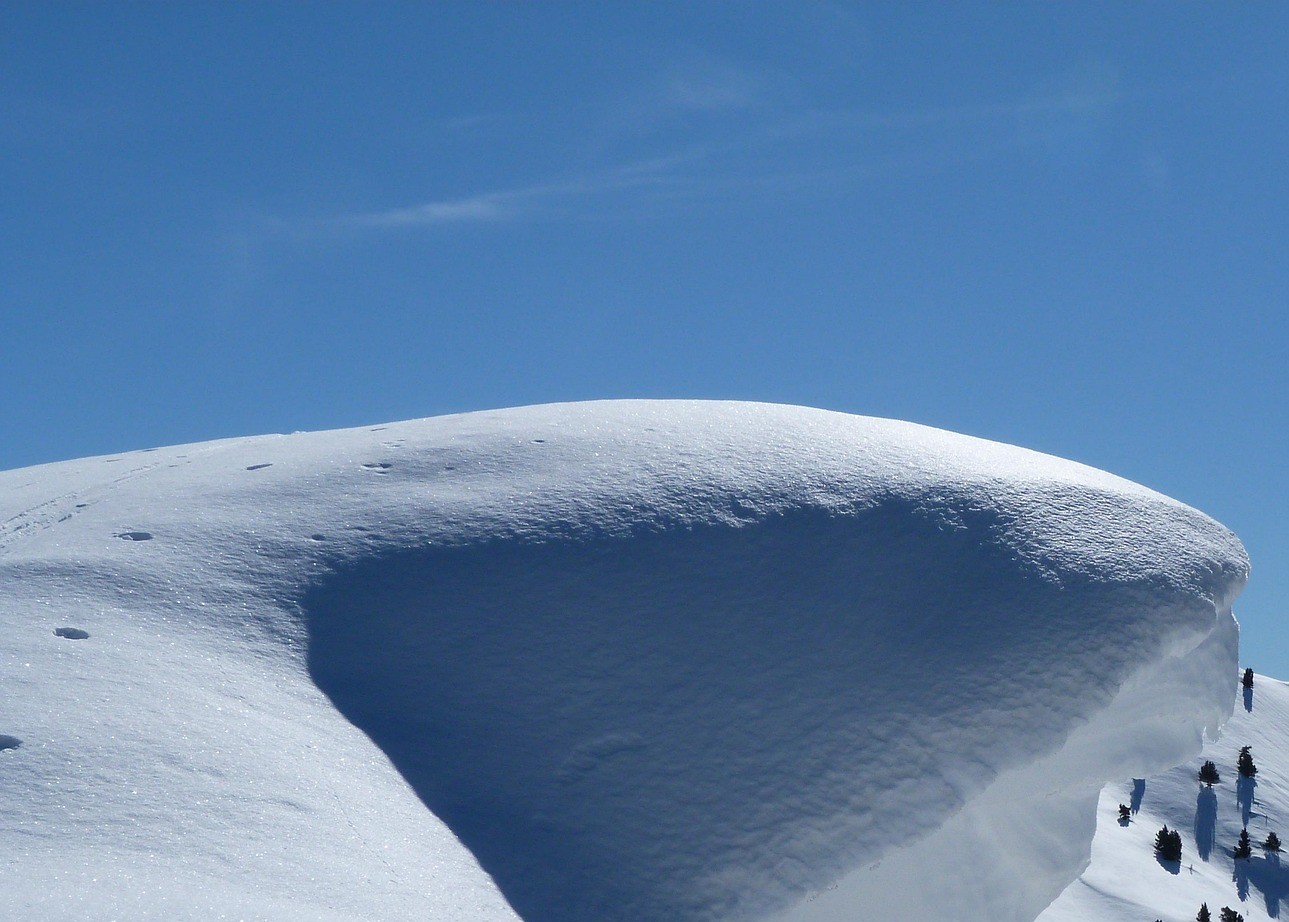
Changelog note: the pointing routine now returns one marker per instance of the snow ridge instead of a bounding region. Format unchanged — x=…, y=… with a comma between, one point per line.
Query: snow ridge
x=672, y=660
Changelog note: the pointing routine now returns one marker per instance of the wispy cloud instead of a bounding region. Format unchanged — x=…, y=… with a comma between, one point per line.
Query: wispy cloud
x=708, y=86
x=512, y=204
x=478, y=209
x=776, y=148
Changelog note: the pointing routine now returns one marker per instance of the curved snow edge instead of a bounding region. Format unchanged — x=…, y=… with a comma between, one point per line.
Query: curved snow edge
x=1011, y=850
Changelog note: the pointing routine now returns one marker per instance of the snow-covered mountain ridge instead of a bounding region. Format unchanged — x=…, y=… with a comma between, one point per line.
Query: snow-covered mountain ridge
x=624, y=660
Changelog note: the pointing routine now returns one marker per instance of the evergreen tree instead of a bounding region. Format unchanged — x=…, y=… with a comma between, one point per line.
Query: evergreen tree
x=1242, y=848
x=1168, y=842
x=1245, y=764
x=1124, y=811
x=1248, y=678
x=1204, y=915
x=1208, y=773
x=1230, y=915
x=1273, y=842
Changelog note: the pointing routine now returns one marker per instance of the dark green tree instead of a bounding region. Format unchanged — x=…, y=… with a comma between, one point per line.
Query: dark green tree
x=1230, y=915
x=1273, y=842
x=1208, y=773
x=1242, y=848
x=1168, y=842
x=1245, y=764
x=1204, y=915
x=1248, y=678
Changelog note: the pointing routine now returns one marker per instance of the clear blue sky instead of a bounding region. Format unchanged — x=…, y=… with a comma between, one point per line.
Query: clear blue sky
x=1064, y=226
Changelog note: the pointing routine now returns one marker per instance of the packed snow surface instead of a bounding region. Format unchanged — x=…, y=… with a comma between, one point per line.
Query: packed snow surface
x=627, y=660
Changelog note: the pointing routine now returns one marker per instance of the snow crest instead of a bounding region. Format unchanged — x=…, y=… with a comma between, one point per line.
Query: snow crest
x=641, y=660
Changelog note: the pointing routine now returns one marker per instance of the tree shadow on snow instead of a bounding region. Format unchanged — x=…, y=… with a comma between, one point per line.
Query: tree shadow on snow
x=1138, y=792
x=1244, y=788
x=1240, y=874
x=1205, y=822
x=1266, y=876
x=1172, y=867
x=1248, y=700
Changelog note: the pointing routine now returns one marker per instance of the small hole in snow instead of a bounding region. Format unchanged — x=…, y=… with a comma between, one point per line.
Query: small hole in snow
x=71, y=633
x=135, y=535
x=9, y=742
x=258, y=467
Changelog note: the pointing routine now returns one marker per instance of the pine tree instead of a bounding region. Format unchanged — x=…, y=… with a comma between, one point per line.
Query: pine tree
x=1208, y=773
x=1204, y=915
x=1124, y=811
x=1248, y=678
x=1230, y=915
x=1242, y=849
x=1168, y=842
x=1273, y=842
x=1245, y=764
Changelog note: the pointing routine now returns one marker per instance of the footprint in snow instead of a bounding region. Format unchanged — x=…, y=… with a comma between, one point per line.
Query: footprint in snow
x=71, y=633
x=134, y=535
x=9, y=742
x=378, y=467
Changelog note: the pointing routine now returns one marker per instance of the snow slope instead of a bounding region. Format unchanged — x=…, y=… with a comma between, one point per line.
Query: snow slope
x=627, y=660
x=1125, y=880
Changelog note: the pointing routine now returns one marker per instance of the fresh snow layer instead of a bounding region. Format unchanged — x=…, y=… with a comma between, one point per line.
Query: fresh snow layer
x=1126, y=882
x=628, y=660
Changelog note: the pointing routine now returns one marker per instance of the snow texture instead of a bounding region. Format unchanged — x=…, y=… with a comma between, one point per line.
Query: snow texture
x=1127, y=882
x=626, y=660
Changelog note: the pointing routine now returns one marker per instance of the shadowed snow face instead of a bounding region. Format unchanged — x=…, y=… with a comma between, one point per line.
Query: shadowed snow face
x=710, y=723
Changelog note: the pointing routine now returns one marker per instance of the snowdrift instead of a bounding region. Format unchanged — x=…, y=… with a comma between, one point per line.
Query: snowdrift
x=628, y=660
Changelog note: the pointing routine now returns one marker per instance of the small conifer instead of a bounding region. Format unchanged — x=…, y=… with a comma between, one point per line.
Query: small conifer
x=1248, y=678
x=1245, y=764
x=1208, y=773
x=1273, y=842
x=1168, y=842
x=1124, y=811
x=1204, y=915
x=1242, y=848
x=1230, y=915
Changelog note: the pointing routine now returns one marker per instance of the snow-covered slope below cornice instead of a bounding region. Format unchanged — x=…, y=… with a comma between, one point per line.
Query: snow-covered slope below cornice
x=630, y=660
x=1127, y=882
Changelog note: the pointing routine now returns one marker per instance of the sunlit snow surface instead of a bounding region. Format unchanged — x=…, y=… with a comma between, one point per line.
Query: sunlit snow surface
x=640, y=660
x=1126, y=882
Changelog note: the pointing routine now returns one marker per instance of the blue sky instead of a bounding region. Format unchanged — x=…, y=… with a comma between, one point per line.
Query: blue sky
x=1058, y=225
